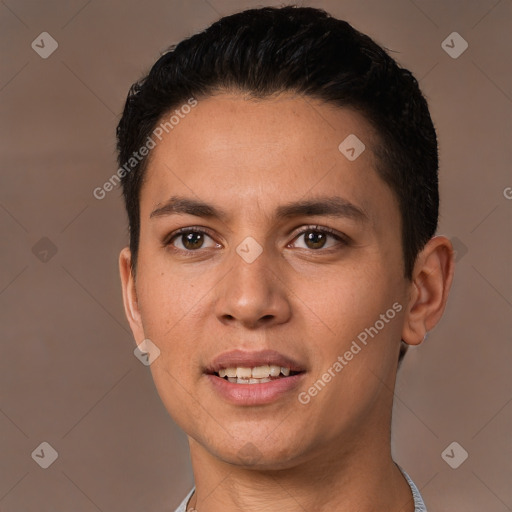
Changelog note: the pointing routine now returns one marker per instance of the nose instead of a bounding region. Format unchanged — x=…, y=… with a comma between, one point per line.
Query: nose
x=252, y=294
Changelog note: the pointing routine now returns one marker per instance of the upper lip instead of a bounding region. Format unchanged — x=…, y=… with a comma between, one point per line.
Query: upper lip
x=241, y=358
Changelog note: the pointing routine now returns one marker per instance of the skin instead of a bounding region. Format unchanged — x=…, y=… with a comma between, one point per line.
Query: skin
x=249, y=157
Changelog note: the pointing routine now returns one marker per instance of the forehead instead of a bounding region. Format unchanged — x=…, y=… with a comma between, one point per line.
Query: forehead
x=239, y=151
x=236, y=124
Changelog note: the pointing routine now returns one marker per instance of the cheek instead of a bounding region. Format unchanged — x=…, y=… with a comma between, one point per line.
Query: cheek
x=176, y=393
x=343, y=298
x=175, y=304
x=169, y=306
x=166, y=297
x=345, y=307
x=354, y=349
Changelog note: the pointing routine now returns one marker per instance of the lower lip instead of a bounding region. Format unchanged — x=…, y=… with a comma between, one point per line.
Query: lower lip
x=254, y=394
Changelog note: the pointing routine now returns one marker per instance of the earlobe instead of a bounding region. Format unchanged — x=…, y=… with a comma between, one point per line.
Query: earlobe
x=131, y=306
x=431, y=282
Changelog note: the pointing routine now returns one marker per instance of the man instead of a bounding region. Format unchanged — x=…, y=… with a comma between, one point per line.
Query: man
x=280, y=176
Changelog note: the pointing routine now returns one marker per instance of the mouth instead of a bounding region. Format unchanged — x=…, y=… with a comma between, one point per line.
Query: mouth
x=255, y=375
x=254, y=378
x=241, y=367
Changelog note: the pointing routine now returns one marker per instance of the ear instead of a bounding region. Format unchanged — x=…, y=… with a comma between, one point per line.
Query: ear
x=131, y=306
x=431, y=281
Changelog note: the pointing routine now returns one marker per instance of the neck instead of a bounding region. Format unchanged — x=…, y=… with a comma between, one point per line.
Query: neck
x=362, y=478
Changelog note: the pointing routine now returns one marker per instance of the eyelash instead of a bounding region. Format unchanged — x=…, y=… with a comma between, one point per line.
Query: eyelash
x=340, y=238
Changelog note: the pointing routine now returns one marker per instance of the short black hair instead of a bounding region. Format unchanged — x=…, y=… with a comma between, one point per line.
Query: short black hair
x=304, y=50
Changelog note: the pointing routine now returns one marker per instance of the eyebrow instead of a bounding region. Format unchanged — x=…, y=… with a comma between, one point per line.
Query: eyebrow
x=177, y=205
x=331, y=206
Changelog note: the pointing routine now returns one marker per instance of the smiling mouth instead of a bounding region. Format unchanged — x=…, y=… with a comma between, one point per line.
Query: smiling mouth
x=255, y=375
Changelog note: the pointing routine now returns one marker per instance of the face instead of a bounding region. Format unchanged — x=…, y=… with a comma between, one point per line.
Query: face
x=263, y=246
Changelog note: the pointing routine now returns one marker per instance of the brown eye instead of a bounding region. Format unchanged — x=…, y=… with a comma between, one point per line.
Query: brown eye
x=192, y=241
x=188, y=240
x=315, y=239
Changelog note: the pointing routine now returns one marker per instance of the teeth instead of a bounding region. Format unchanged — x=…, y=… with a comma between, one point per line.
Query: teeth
x=275, y=370
x=230, y=372
x=254, y=375
x=248, y=381
x=261, y=372
x=243, y=373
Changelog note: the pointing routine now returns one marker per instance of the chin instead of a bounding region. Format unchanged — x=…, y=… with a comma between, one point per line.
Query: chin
x=258, y=454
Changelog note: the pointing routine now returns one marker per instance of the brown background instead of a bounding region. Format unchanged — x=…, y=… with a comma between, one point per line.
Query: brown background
x=68, y=375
